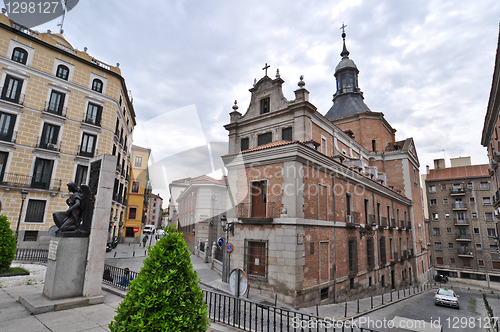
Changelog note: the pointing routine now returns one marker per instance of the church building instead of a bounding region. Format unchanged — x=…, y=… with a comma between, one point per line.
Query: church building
x=326, y=207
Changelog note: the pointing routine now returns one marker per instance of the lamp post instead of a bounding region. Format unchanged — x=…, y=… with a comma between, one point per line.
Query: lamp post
x=24, y=193
x=226, y=228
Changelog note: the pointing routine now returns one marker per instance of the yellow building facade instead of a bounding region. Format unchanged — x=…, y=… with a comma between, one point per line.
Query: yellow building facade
x=59, y=107
x=138, y=191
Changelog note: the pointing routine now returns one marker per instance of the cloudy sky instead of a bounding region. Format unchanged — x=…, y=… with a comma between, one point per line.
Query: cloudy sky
x=426, y=64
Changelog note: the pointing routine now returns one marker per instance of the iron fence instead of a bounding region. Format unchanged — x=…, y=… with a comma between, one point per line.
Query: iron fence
x=26, y=181
x=116, y=276
x=253, y=316
x=494, y=320
x=31, y=255
x=219, y=253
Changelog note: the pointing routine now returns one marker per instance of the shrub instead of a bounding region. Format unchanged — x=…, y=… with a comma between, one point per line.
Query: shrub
x=165, y=296
x=8, y=247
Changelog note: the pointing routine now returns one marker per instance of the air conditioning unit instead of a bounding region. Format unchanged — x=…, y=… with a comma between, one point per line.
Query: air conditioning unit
x=348, y=219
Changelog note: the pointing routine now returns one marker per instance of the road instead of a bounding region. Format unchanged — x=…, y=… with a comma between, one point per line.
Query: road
x=470, y=317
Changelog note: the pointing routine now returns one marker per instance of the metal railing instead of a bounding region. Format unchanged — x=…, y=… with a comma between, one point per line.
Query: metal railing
x=465, y=252
x=8, y=137
x=455, y=191
x=461, y=221
x=85, y=153
x=31, y=255
x=459, y=205
x=258, y=210
x=253, y=316
x=26, y=181
x=48, y=145
x=19, y=99
x=493, y=319
x=89, y=120
x=115, y=276
x=383, y=222
x=219, y=253
x=461, y=236
x=54, y=108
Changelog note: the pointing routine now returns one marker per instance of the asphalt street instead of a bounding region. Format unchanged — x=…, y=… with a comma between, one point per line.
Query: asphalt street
x=470, y=317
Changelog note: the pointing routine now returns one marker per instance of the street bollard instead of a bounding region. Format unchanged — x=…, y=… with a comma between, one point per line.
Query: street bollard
x=391, y=295
x=115, y=254
x=371, y=299
x=345, y=314
x=358, y=306
x=398, y=294
x=382, y=298
x=404, y=292
x=317, y=310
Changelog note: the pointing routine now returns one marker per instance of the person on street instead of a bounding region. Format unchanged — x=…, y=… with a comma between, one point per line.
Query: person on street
x=126, y=278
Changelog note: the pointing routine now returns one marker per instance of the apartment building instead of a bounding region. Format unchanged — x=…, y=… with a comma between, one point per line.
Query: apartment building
x=59, y=108
x=200, y=205
x=463, y=235
x=154, y=211
x=326, y=207
x=137, y=192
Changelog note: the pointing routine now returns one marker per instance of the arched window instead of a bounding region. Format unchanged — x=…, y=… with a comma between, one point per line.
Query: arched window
x=97, y=85
x=20, y=55
x=62, y=72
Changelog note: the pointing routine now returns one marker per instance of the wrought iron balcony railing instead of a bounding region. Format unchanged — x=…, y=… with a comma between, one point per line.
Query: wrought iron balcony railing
x=258, y=210
x=8, y=137
x=89, y=120
x=26, y=181
x=48, y=145
x=54, y=109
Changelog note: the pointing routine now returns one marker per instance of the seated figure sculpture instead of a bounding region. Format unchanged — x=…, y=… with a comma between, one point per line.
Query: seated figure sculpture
x=75, y=222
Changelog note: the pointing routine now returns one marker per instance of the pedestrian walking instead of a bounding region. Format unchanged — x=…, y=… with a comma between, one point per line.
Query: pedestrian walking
x=126, y=278
x=144, y=240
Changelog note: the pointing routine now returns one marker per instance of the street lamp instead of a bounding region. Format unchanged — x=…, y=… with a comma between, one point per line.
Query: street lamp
x=369, y=230
x=24, y=193
x=227, y=227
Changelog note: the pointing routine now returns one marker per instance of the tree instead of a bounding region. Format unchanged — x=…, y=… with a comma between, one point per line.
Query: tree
x=165, y=296
x=8, y=247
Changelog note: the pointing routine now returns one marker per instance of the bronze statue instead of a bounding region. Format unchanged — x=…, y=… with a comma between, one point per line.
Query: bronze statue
x=75, y=222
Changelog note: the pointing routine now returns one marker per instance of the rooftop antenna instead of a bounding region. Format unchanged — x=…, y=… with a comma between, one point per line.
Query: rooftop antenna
x=64, y=3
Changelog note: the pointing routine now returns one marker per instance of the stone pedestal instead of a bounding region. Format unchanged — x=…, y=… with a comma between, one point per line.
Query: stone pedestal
x=65, y=275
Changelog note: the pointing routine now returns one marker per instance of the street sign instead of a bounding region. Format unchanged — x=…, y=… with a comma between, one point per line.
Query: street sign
x=136, y=229
x=220, y=242
x=229, y=247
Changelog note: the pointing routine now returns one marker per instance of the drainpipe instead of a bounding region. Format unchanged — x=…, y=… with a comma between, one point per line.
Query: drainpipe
x=334, y=243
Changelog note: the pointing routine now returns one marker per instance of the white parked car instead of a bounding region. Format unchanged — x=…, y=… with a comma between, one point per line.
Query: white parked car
x=446, y=297
x=149, y=229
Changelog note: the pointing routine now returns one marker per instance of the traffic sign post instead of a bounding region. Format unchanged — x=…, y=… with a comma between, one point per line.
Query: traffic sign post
x=229, y=247
x=220, y=242
x=136, y=230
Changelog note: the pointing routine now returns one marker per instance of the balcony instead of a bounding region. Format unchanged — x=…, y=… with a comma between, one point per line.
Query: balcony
x=408, y=227
x=496, y=198
x=8, y=137
x=393, y=223
x=383, y=222
x=53, y=108
x=394, y=257
x=410, y=253
x=463, y=237
x=47, y=145
x=457, y=191
x=18, y=99
x=91, y=121
x=258, y=212
x=459, y=206
x=26, y=181
x=371, y=219
x=465, y=252
x=461, y=222
x=86, y=154
x=404, y=255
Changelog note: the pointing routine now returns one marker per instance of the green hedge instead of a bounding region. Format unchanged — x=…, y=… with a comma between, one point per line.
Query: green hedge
x=8, y=244
x=165, y=296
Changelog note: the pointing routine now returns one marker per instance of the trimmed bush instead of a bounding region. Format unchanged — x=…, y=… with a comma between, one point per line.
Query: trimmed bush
x=8, y=247
x=165, y=296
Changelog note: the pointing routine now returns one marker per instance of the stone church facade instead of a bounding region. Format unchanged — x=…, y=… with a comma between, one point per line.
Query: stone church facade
x=326, y=207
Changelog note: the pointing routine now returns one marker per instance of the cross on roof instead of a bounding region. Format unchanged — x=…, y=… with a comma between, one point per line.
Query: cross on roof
x=343, y=27
x=265, y=68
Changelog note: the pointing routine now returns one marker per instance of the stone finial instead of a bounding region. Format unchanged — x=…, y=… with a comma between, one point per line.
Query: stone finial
x=117, y=65
x=4, y=10
x=278, y=73
x=301, y=83
x=85, y=49
x=254, y=81
x=49, y=32
x=235, y=106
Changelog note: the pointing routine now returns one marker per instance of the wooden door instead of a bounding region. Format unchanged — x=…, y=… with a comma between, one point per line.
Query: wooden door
x=259, y=201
